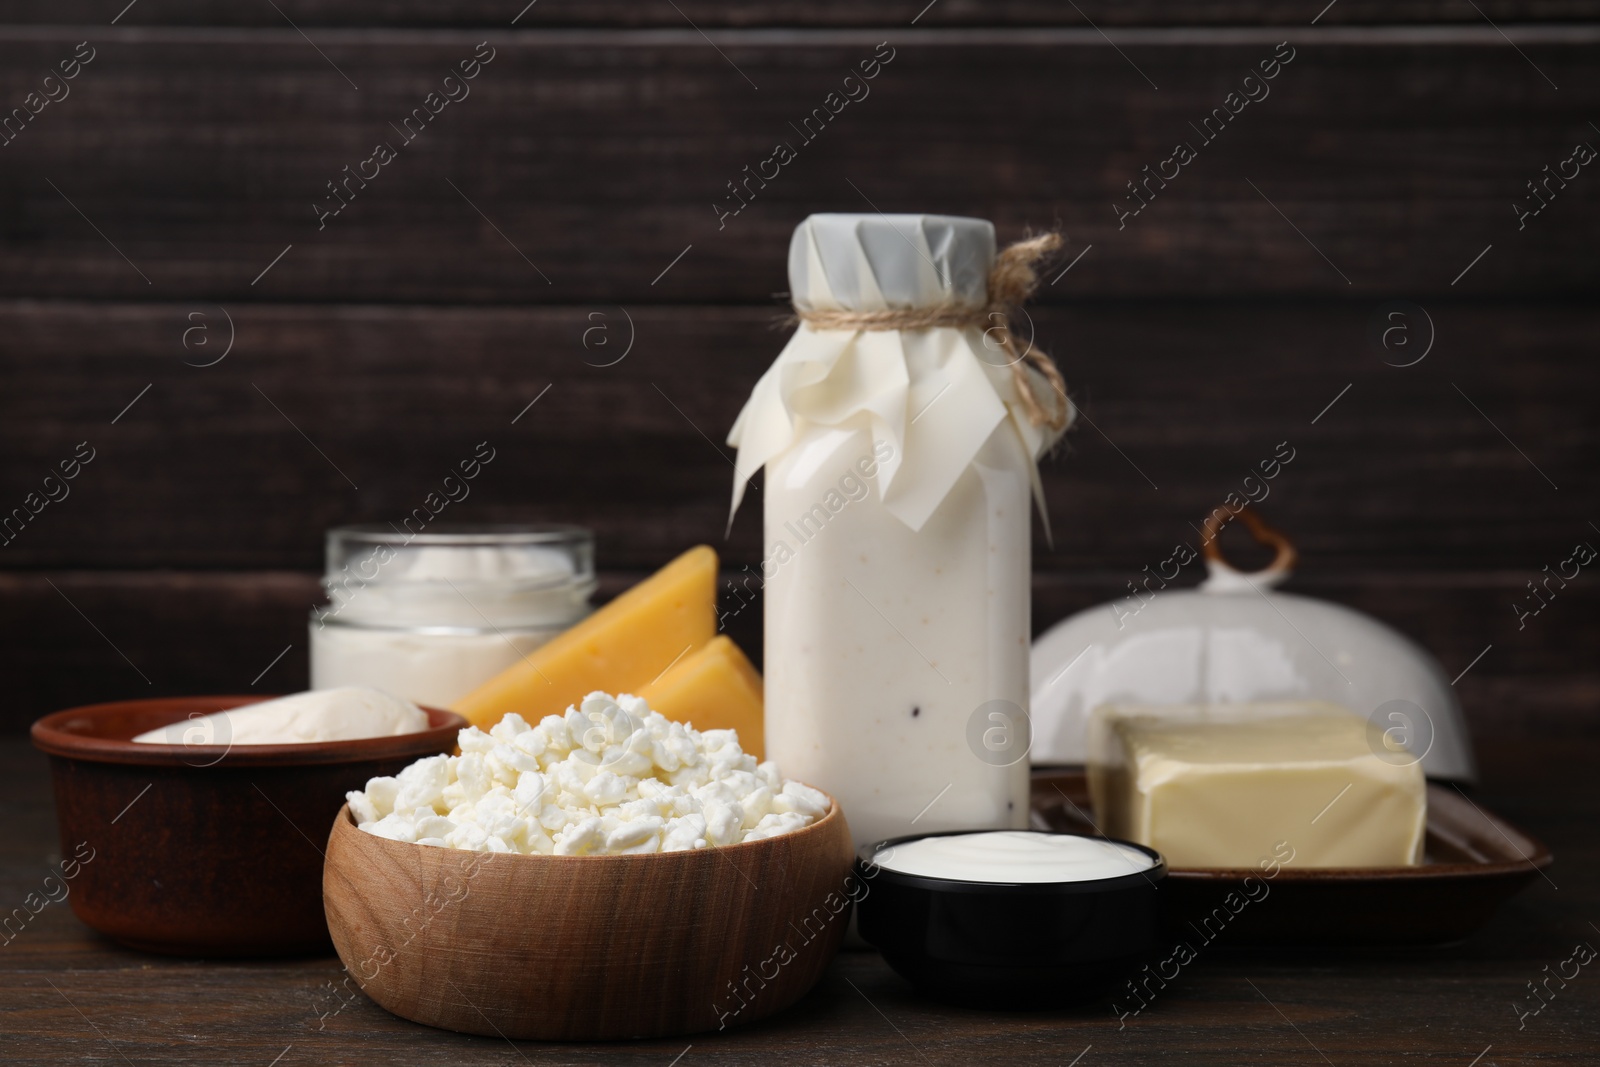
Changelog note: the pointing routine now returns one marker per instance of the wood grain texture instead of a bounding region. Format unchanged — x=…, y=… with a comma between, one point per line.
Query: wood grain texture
x=707, y=13
x=585, y=162
x=592, y=948
x=596, y=143
x=207, y=632
x=1441, y=1006
x=244, y=464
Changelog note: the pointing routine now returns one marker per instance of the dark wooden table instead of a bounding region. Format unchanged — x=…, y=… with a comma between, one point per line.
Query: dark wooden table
x=69, y=996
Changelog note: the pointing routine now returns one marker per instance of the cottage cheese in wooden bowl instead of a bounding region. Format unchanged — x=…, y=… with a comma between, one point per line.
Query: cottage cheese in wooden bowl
x=628, y=876
x=611, y=777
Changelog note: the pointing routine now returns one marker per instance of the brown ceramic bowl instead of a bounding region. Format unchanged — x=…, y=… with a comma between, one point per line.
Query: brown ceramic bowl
x=567, y=948
x=206, y=849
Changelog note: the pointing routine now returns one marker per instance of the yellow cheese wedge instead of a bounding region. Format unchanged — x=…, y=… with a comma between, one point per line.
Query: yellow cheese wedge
x=621, y=648
x=713, y=688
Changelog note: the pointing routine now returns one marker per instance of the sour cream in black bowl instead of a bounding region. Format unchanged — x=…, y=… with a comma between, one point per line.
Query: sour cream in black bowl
x=1010, y=918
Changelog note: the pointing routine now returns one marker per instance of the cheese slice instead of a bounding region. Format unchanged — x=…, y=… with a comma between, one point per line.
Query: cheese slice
x=713, y=688
x=1235, y=785
x=621, y=648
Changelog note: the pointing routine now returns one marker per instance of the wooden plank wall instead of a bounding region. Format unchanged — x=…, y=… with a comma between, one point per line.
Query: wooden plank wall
x=174, y=198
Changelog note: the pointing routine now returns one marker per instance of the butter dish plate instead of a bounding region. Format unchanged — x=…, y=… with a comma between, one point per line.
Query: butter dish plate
x=1473, y=862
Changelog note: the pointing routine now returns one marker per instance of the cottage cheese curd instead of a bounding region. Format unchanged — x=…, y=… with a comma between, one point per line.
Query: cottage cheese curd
x=610, y=777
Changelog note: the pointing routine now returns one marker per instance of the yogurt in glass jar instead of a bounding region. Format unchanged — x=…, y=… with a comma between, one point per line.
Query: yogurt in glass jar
x=896, y=567
x=432, y=615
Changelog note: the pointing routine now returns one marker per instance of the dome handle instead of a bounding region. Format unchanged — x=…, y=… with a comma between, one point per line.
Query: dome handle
x=1223, y=577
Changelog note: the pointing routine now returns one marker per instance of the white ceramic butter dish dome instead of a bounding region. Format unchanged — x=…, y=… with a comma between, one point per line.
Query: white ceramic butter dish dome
x=1237, y=639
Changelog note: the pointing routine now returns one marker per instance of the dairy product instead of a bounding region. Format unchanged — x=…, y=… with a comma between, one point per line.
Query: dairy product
x=609, y=777
x=1225, y=785
x=435, y=669
x=1013, y=856
x=716, y=687
x=342, y=714
x=433, y=615
x=883, y=642
x=899, y=467
x=623, y=646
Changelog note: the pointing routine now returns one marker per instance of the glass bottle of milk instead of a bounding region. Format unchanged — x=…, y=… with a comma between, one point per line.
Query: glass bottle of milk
x=900, y=461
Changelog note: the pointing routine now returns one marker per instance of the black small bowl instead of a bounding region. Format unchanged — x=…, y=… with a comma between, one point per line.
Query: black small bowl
x=1009, y=944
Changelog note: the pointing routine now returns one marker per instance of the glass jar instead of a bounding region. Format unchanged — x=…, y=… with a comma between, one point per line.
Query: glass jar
x=431, y=616
x=896, y=571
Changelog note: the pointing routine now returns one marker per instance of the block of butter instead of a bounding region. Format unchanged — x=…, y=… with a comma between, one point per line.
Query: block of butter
x=1225, y=785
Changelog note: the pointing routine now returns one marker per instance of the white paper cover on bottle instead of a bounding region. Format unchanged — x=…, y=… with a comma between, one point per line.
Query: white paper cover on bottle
x=934, y=395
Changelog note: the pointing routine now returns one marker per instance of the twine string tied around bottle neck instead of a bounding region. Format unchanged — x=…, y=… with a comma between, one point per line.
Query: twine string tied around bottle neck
x=1012, y=280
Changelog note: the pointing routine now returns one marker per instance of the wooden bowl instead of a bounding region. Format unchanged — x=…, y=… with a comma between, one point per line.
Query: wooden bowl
x=205, y=849
x=589, y=947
